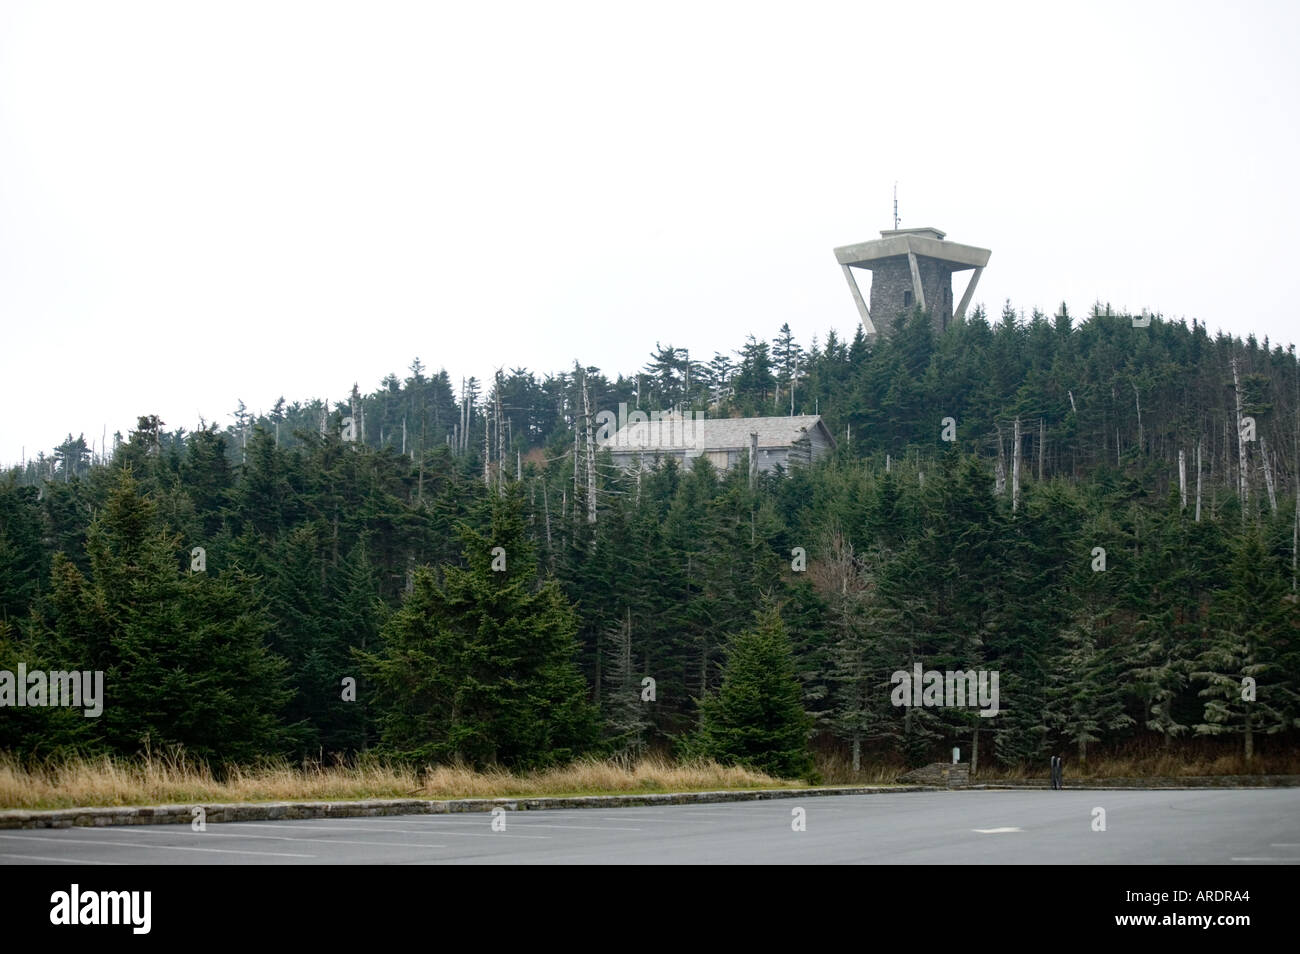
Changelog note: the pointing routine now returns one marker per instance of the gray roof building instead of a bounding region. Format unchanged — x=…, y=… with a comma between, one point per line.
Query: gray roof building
x=782, y=441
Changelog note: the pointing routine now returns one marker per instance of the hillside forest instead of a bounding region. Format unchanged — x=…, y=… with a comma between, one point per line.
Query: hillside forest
x=445, y=569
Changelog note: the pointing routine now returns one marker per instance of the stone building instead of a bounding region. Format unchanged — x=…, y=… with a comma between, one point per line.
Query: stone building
x=910, y=267
x=782, y=441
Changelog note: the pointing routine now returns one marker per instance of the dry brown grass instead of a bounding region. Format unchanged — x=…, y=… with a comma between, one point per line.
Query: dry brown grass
x=150, y=780
x=837, y=769
x=1171, y=764
x=1137, y=762
x=173, y=779
x=592, y=776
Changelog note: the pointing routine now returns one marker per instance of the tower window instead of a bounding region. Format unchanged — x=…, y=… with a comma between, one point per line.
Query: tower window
x=907, y=299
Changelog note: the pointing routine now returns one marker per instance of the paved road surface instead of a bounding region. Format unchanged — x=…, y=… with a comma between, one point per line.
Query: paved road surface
x=997, y=827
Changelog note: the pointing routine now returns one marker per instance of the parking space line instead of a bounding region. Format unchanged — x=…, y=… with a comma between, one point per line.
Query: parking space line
x=129, y=844
x=63, y=861
x=513, y=816
x=328, y=841
x=1289, y=860
x=395, y=831
x=578, y=827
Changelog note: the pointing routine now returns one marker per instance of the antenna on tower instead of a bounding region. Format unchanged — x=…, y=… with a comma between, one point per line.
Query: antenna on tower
x=895, y=206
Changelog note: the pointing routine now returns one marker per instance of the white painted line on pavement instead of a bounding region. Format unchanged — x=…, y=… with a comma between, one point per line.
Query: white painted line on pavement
x=65, y=861
x=396, y=831
x=328, y=841
x=130, y=844
x=1266, y=859
x=577, y=827
x=518, y=821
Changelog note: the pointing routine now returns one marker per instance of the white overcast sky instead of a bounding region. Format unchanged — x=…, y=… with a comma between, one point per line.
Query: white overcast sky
x=202, y=202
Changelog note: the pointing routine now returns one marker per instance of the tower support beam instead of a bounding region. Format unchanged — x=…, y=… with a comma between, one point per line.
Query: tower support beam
x=917, y=290
x=863, y=311
x=970, y=290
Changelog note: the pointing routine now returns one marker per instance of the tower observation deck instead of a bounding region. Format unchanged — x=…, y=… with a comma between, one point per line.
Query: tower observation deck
x=910, y=268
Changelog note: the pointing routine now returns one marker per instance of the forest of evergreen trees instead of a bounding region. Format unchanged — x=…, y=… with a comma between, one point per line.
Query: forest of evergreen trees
x=1053, y=541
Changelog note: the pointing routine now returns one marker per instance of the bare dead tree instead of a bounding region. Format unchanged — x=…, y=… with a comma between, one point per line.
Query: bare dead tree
x=487, y=450
x=501, y=447
x=1198, y=480
x=591, y=452
x=1182, y=477
x=1137, y=401
x=1000, y=474
x=1268, y=474
x=1015, y=469
x=1243, y=472
x=1042, y=445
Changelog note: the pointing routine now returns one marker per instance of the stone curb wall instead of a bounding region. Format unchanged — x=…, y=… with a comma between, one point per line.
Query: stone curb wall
x=1169, y=782
x=274, y=811
x=218, y=812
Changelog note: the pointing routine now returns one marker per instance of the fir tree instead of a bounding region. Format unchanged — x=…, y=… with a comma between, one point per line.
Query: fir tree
x=626, y=718
x=184, y=654
x=1254, y=628
x=757, y=716
x=478, y=663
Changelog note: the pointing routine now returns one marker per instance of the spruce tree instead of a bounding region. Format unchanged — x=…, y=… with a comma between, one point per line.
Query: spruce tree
x=626, y=711
x=1254, y=628
x=184, y=654
x=478, y=663
x=23, y=561
x=757, y=716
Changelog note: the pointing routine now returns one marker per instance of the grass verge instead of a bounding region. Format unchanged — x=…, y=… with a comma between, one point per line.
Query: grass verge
x=173, y=779
x=152, y=780
x=836, y=769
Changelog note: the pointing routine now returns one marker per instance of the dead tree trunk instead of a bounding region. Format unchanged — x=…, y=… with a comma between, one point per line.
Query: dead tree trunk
x=591, y=454
x=1015, y=469
x=1042, y=445
x=1243, y=478
x=1268, y=474
x=1182, y=478
x=501, y=446
x=1000, y=474
x=546, y=505
x=487, y=451
x=1250, y=706
x=1137, y=402
x=1198, y=480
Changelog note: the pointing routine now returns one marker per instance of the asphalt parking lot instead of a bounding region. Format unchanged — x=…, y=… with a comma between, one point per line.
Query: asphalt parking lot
x=1248, y=827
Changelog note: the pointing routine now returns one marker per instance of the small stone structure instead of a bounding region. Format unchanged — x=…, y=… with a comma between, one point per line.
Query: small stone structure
x=939, y=773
